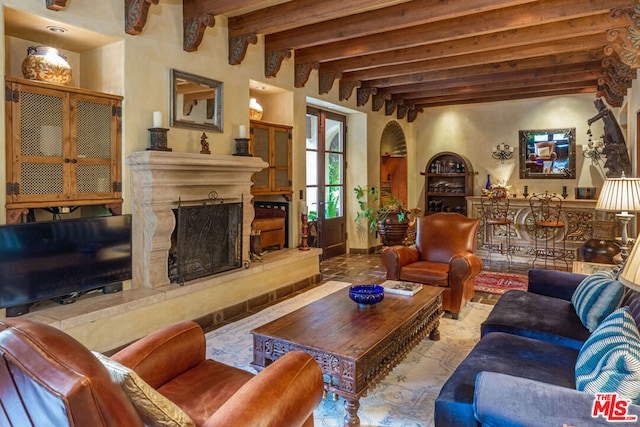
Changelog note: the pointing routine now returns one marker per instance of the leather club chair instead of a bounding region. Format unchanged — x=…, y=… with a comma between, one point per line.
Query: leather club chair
x=442, y=256
x=46, y=374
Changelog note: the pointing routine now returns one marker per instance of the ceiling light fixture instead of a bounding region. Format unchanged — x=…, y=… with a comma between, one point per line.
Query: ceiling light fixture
x=56, y=29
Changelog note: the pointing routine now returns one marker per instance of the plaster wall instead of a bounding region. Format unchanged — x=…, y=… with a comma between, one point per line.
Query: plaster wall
x=473, y=130
x=137, y=67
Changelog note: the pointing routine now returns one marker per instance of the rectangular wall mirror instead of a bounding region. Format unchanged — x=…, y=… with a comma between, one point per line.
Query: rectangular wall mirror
x=196, y=102
x=548, y=153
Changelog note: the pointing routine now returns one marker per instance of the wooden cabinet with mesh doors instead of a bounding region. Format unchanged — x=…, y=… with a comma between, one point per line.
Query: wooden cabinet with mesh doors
x=63, y=147
x=272, y=142
x=448, y=180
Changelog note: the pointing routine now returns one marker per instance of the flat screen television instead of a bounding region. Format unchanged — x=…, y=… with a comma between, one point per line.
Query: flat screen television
x=57, y=259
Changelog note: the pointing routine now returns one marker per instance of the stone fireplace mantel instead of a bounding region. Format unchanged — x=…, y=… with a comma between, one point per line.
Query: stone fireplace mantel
x=160, y=179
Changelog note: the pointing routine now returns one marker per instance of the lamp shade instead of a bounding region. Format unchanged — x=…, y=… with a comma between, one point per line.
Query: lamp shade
x=620, y=195
x=630, y=275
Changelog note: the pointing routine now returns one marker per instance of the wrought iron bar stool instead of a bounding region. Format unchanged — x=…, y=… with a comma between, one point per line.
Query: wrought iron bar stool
x=546, y=209
x=497, y=223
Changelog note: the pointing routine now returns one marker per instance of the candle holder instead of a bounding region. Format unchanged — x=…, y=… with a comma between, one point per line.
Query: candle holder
x=564, y=192
x=525, y=193
x=242, y=147
x=304, y=243
x=158, y=139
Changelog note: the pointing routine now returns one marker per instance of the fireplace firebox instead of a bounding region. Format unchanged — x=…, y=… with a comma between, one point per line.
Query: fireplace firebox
x=207, y=240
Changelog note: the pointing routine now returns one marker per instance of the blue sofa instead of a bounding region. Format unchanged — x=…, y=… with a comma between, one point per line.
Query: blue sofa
x=522, y=372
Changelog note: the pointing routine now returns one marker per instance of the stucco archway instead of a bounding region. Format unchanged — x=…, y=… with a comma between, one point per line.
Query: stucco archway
x=393, y=161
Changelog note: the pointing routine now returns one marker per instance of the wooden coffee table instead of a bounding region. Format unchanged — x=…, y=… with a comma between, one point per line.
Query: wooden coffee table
x=355, y=347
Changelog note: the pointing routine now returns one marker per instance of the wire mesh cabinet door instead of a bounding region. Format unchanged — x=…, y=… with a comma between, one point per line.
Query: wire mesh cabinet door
x=63, y=146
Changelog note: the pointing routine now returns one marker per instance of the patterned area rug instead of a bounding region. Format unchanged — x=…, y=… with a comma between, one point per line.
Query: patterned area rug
x=404, y=398
x=499, y=283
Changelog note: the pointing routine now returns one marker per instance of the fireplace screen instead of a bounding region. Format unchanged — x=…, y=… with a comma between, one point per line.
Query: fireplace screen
x=207, y=240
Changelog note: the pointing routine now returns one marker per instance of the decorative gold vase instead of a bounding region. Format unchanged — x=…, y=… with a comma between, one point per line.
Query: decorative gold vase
x=46, y=64
x=255, y=110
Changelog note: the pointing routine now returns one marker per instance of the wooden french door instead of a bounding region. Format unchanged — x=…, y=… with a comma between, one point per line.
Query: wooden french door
x=325, y=190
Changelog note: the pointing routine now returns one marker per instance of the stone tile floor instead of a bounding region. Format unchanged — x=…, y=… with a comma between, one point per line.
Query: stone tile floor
x=358, y=268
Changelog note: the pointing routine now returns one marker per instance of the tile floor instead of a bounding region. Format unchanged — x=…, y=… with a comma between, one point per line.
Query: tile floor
x=356, y=268
x=368, y=269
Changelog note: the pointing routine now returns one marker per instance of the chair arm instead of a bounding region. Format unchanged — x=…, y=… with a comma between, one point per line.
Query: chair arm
x=283, y=394
x=501, y=400
x=557, y=284
x=165, y=353
x=395, y=257
x=463, y=266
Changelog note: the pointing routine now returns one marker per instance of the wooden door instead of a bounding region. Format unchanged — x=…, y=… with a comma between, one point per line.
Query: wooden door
x=326, y=136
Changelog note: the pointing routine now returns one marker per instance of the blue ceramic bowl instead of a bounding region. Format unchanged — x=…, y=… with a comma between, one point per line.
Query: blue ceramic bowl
x=366, y=296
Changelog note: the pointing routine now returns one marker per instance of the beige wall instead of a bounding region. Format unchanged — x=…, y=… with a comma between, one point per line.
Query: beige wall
x=473, y=130
x=137, y=67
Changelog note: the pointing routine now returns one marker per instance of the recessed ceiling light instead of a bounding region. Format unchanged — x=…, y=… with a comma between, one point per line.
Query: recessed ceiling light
x=56, y=29
x=261, y=88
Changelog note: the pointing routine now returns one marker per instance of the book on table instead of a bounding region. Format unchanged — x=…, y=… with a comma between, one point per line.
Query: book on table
x=401, y=288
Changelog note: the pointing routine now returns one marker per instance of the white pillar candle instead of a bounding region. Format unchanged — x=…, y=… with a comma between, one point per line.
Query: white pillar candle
x=243, y=131
x=157, y=119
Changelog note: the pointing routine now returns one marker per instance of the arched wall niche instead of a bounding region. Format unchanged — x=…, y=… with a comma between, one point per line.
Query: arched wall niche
x=393, y=161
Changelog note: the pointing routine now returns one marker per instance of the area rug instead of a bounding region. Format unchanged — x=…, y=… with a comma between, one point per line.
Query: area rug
x=404, y=398
x=499, y=283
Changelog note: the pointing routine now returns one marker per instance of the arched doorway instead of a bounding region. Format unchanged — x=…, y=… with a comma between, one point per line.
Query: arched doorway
x=393, y=161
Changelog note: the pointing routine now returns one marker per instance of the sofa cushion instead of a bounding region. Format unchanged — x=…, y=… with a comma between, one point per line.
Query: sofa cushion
x=507, y=354
x=153, y=407
x=596, y=297
x=536, y=316
x=609, y=362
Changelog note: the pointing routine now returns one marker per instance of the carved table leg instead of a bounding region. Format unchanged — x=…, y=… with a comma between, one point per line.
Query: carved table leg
x=435, y=334
x=351, y=419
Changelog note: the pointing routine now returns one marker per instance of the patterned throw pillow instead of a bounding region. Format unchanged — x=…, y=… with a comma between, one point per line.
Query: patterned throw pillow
x=153, y=408
x=596, y=297
x=609, y=361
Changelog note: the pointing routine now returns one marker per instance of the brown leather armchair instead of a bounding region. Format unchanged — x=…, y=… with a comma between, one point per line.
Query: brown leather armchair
x=442, y=256
x=47, y=375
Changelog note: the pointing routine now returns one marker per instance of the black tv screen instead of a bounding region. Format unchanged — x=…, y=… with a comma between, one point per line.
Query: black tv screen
x=51, y=259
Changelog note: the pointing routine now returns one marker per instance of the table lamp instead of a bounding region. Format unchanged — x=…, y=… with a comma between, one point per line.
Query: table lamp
x=621, y=194
x=630, y=275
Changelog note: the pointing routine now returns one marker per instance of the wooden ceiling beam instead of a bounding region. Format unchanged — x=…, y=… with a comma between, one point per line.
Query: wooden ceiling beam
x=590, y=25
x=220, y=7
x=483, y=23
x=297, y=13
x=417, y=12
x=579, y=79
x=502, y=98
x=521, y=65
x=505, y=95
x=558, y=47
x=582, y=71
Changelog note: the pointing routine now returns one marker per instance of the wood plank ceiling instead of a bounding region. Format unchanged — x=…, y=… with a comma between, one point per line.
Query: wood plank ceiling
x=407, y=56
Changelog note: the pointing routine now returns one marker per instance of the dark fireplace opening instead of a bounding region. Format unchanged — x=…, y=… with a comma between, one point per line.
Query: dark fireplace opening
x=207, y=240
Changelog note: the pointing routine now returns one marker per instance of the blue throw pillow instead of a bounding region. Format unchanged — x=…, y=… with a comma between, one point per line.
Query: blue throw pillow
x=596, y=297
x=609, y=361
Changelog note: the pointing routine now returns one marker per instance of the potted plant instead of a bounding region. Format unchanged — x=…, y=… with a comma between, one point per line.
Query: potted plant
x=384, y=212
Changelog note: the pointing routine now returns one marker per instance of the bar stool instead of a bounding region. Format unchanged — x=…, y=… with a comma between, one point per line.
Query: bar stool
x=497, y=223
x=546, y=209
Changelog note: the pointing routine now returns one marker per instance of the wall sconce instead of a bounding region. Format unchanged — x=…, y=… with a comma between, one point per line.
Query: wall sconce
x=502, y=152
x=593, y=150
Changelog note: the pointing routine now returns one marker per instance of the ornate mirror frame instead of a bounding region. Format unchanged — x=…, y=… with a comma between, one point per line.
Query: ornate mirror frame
x=548, y=153
x=196, y=102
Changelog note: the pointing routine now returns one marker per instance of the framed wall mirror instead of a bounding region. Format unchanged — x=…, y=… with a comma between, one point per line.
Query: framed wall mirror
x=196, y=102
x=548, y=153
